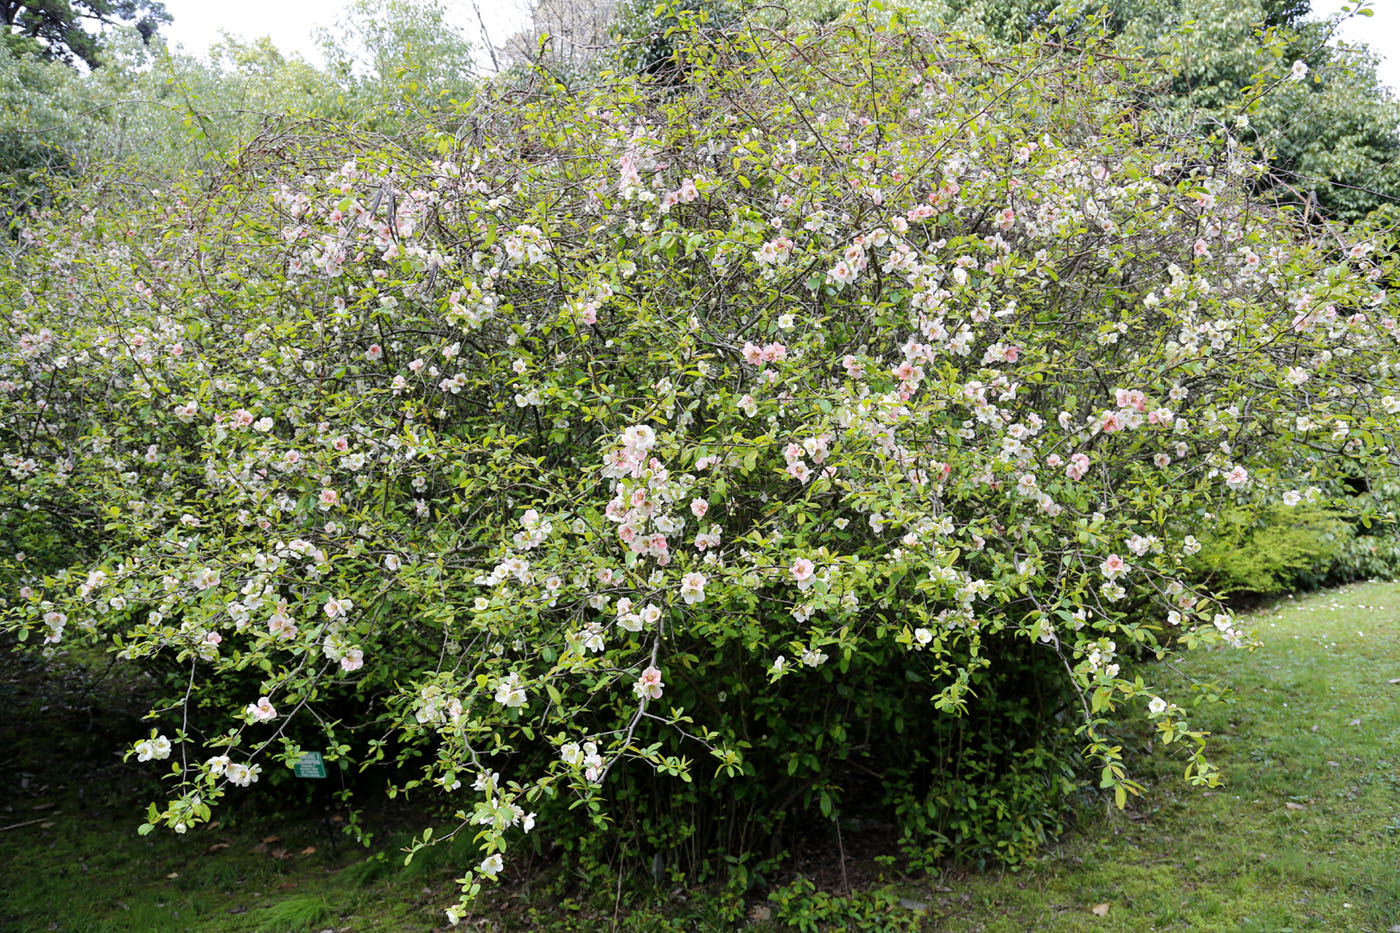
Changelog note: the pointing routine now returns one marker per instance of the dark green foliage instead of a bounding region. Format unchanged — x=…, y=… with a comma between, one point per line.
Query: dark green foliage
x=649, y=34
x=1286, y=12
x=799, y=905
x=1372, y=550
x=986, y=788
x=68, y=30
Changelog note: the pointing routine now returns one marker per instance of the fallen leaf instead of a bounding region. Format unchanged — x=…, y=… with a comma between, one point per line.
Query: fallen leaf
x=287, y=885
x=1099, y=910
x=260, y=847
x=215, y=848
x=173, y=875
x=309, y=850
x=1294, y=806
x=271, y=839
x=279, y=853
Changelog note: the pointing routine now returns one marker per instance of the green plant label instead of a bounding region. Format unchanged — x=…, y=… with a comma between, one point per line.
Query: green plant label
x=310, y=765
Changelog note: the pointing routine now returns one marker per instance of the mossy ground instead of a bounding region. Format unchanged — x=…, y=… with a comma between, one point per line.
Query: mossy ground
x=1305, y=835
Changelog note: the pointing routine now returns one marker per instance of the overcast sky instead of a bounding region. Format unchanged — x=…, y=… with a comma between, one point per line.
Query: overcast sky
x=290, y=23
x=1380, y=31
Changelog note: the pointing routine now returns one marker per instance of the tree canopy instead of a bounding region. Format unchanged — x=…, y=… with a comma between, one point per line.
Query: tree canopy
x=71, y=30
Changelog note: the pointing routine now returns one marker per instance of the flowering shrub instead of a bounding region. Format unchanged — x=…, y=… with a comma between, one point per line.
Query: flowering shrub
x=733, y=442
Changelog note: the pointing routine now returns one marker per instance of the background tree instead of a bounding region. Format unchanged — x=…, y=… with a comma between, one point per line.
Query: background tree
x=1331, y=139
x=575, y=32
x=71, y=30
x=1330, y=132
x=399, y=53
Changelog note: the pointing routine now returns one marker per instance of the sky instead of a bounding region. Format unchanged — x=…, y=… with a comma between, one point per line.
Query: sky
x=291, y=24
x=1381, y=31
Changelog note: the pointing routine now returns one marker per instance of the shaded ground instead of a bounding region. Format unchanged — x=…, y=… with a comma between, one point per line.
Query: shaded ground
x=1305, y=835
x=71, y=859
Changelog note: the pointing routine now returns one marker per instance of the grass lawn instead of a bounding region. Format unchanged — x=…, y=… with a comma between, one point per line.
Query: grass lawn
x=1304, y=836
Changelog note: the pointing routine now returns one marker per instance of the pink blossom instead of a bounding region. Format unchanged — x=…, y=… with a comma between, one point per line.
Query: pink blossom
x=649, y=685
x=693, y=587
x=263, y=710
x=804, y=572
x=1131, y=398
x=1113, y=567
x=698, y=507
